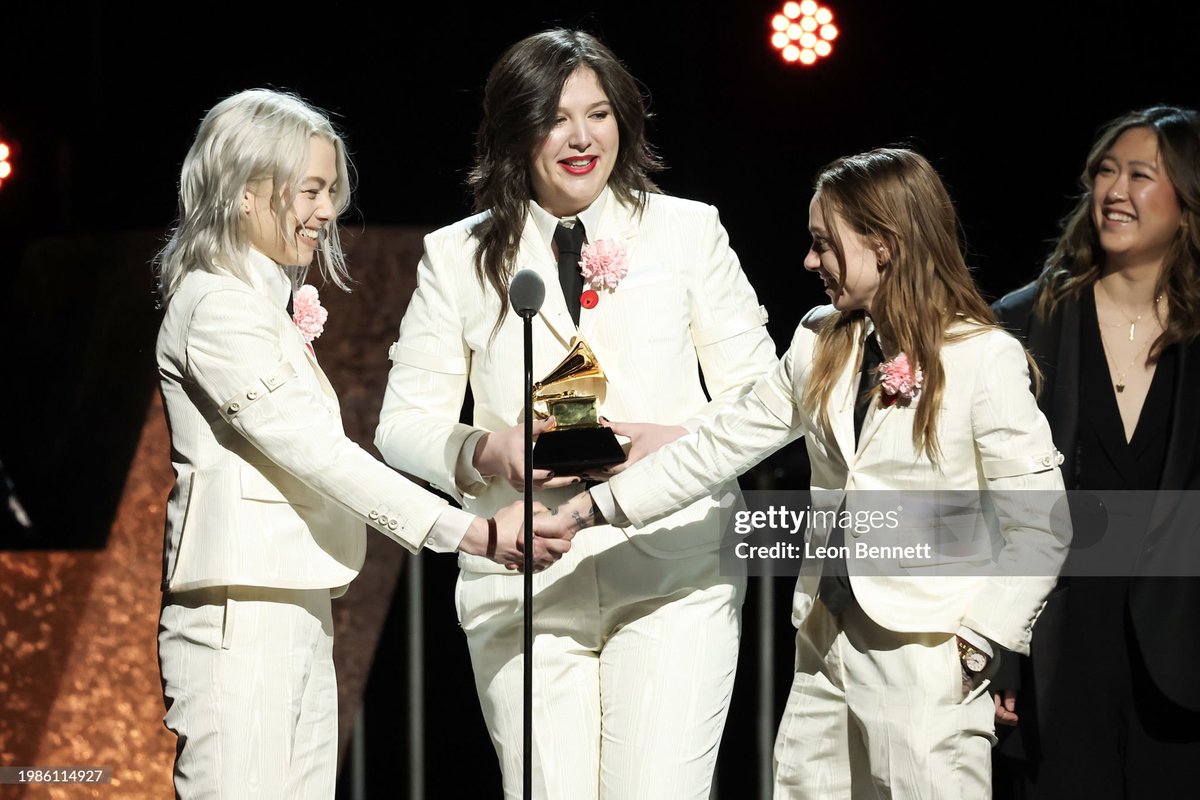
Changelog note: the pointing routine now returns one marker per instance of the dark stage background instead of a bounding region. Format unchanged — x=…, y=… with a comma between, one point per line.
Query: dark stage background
x=102, y=103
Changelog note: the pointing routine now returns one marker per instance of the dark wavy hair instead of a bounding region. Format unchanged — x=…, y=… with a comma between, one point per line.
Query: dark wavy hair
x=520, y=105
x=1077, y=259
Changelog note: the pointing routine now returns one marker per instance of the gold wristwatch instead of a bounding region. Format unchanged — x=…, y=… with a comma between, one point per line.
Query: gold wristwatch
x=973, y=659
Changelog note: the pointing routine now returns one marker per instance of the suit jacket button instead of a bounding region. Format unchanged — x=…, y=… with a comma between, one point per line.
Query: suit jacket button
x=393, y=524
x=374, y=514
x=234, y=407
x=252, y=395
x=383, y=520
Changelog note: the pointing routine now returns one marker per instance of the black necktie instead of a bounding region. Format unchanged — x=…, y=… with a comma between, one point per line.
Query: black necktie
x=834, y=589
x=872, y=358
x=570, y=244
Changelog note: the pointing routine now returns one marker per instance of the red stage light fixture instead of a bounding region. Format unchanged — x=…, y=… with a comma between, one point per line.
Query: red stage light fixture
x=6, y=167
x=803, y=32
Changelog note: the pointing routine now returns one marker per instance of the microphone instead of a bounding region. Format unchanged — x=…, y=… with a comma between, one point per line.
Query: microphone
x=526, y=292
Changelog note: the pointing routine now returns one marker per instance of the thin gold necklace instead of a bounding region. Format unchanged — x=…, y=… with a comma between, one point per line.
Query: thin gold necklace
x=1120, y=381
x=1132, y=322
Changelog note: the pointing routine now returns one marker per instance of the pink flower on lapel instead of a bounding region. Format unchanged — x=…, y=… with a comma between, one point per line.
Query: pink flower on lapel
x=603, y=264
x=308, y=313
x=899, y=381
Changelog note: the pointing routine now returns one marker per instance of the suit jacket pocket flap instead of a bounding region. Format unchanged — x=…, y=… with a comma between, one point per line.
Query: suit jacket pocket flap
x=270, y=484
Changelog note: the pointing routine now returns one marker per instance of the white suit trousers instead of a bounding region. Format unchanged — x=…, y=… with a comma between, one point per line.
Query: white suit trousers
x=878, y=714
x=250, y=692
x=634, y=661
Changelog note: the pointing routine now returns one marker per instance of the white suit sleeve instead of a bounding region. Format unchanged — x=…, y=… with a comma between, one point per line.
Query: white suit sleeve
x=235, y=358
x=419, y=431
x=756, y=424
x=728, y=326
x=1019, y=461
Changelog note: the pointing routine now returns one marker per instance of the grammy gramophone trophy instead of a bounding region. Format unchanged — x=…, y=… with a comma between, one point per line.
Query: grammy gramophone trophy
x=578, y=442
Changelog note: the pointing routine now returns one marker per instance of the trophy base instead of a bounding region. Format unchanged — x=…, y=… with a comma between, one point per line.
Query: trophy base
x=572, y=451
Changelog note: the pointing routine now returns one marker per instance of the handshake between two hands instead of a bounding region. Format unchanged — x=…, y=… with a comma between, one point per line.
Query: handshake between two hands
x=501, y=454
x=502, y=538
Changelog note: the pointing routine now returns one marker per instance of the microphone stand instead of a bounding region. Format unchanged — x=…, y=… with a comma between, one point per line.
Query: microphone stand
x=527, y=749
x=526, y=293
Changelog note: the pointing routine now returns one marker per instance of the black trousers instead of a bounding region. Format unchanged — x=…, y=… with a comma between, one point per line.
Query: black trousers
x=1108, y=732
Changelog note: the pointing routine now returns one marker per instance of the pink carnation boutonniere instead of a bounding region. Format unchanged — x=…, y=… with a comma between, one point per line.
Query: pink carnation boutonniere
x=603, y=264
x=308, y=313
x=899, y=381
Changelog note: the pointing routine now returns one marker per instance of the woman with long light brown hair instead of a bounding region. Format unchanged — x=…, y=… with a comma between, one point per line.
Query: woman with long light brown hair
x=906, y=385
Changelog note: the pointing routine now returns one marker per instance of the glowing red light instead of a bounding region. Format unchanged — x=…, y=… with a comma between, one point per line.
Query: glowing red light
x=6, y=167
x=802, y=31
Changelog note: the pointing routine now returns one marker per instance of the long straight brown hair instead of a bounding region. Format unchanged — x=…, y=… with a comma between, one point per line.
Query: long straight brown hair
x=895, y=199
x=1077, y=260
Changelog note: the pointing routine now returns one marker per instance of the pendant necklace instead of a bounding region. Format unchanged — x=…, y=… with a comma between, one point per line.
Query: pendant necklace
x=1120, y=382
x=1132, y=321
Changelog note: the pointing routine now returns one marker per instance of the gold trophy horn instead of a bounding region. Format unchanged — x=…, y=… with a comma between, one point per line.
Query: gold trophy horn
x=552, y=395
x=578, y=442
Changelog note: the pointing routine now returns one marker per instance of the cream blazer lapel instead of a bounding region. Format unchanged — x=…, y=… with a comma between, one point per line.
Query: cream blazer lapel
x=534, y=255
x=841, y=414
x=326, y=386
x=618, y=224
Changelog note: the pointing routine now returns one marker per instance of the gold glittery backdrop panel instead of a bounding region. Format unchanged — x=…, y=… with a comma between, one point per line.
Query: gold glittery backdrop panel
x=79, y=682
x=80, y=666
x=353, y=351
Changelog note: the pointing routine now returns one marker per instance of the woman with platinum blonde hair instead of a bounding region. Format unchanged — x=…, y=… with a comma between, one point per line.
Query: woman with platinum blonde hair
x=266, y=521
x=903, y=385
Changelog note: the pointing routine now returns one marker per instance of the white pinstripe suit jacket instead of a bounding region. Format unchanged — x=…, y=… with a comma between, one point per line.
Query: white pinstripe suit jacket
x=268, y=490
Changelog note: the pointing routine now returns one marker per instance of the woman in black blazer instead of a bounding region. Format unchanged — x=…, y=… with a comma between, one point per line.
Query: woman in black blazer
x=1109, y=705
